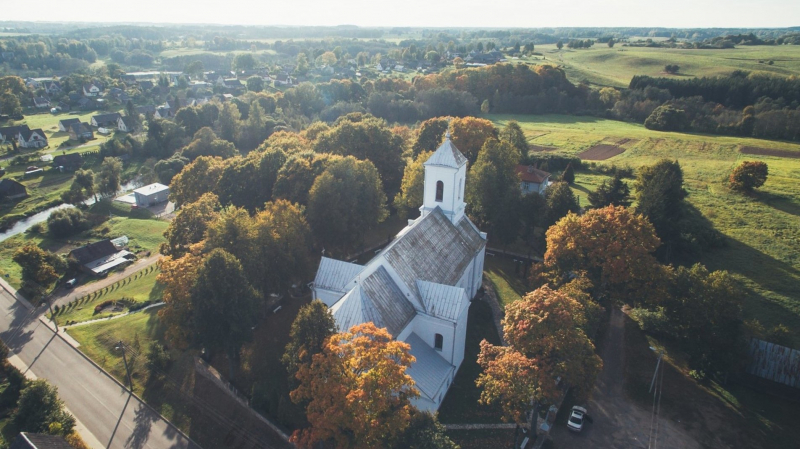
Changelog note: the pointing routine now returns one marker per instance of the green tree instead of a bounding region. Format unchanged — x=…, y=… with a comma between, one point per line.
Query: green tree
x=430, y=135
x=206, y=143
x=559, y=45
x=492, y=192
x=560, y=201
x=311, y=329
x=660, y=198
x=255, y=84
x=749, y=175
x=611, y=42
x=225, y=306
x=10, y=104
x=84, y=179
x=199, y=177
x=424, y=432
x=412, y=187
x=65, y=222
x=229, y=122
x=244, y=61
x=513, y=134
x=611, y=193
x=667, y=118
x=189, y=225
x=194, y=68
x=39, y=410
x=40, y=269
x=109, y=176
x=301, y=67
x=345, y=202
x=569, y=174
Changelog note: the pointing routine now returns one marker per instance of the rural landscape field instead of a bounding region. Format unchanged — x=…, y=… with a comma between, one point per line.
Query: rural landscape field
x=258, y=236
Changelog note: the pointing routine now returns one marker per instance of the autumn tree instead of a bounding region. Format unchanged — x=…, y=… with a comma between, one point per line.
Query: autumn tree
x=493, y=190
x=560, y=201
x=346, y=201
x=545, y=341
x=430, y=135
x=189, y=225
x=311, y=329
x=292, y=143
x=234, y=231
x=611, y=193
x=178, y=276
x=412, y=188
x=357, y=390
x=40, y=269
x=513, y=134
x=224, y=305
x=195, y=179
x=470, y=134
x=612, y=245
x=205, y=143
x=749, y=175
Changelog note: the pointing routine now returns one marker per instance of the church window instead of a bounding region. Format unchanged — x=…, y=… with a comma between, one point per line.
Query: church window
x=438, y=342
x=439, y=191
x=459, y=188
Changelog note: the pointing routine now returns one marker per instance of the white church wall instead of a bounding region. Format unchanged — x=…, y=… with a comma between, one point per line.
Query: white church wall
x=460, y=338
x=427, y=327
x=328, y=297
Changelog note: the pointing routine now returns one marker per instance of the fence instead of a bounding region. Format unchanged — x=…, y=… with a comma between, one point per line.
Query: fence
x=774, y=362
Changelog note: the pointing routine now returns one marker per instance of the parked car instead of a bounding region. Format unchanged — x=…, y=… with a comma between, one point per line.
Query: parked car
x=576, y=418
x=71, y=283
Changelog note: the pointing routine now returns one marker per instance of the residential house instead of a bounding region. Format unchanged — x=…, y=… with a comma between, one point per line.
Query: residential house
x=99, y=257
x=126, y=124
x=63, y=125
x=80, y=131
x=233, y=84
x=532, y=180
x=284, y=79
x=92, y=90
x=128, y=79
x=86, y=104
x=32, y=83
x=9, y=133
x=63, y=106
x=32, y=138
x=163, y=112
x=119, y=94
x=105, y=120
x=146, y=85
x=69, y=162
x=28, y=440
x=146, y=109
x=52, y=87
x=41, y=102
x=418, y=287
x=11, y=189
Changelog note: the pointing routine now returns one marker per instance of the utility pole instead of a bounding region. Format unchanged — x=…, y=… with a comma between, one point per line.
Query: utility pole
x=121, y=346
x=52, y=315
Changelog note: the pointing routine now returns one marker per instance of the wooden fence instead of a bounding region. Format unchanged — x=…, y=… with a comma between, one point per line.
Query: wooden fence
x=774, y=362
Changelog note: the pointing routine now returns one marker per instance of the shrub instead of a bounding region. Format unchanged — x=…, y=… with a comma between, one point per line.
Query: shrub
x=667, y=118
x=99, y=308
x=65, y=222
x=652, y=321
x=748, y=176
x=158, y=359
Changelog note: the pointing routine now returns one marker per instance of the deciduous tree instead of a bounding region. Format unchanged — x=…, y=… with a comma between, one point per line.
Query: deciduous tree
x=357, y=389
x=513, y=134
x=749, y=175
x=560, y=202
x=178, y=276
x=493, y=190
x=311, y=329
x=109, y=176
x=189, y=225
x=40, y=269
x=39, y=410
x=412, y=188
x=195, y=179
x=470, y=134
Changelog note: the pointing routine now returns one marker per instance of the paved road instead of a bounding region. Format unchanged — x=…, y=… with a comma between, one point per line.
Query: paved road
x=116, y=418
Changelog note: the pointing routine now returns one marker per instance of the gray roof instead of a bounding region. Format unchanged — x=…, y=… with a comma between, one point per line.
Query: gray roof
x=28, y=440
x=434, y=250
x=447, y=155
x=442, y=301
x=430, y=371
x=106, y=118
x=335, y=274
x=377, y=299
x=66, y=123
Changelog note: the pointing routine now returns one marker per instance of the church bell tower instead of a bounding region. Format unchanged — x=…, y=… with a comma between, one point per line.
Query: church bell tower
x=445, y=176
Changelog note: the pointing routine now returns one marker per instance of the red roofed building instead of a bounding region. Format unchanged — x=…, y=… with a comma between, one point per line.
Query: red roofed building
x=532, y=179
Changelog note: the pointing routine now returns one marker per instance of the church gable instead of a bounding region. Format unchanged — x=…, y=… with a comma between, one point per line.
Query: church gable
x=335, y=274
x=442, y=301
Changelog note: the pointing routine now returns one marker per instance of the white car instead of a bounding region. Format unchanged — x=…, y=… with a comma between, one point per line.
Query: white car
x=576, y=419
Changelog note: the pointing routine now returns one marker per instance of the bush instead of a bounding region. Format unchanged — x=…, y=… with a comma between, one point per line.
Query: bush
x=652, y=321
x=158, y=359
x=99, y=308
x=667, y=118
x=749, y=175
x=66, y=222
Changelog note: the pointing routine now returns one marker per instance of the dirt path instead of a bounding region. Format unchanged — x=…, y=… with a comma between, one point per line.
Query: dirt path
x=618, y=422
x=62, y=296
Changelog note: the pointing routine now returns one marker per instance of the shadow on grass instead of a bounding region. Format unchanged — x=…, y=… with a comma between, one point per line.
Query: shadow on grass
x=460, y=406
x=779, y=202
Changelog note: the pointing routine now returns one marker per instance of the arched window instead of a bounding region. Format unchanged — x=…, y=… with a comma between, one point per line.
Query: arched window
x=438, y=342
x=439, y=191
x=459, y=188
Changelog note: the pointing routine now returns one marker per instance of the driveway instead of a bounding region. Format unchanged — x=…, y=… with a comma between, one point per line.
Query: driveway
x=618, y=422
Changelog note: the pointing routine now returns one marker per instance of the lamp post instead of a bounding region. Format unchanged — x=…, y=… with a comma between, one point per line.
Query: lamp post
x=121, y=346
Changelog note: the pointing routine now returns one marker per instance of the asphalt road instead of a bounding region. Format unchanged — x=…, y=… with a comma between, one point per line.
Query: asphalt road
x=115, y=418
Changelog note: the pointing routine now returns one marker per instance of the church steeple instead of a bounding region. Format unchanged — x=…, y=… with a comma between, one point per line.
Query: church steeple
x=445, y=175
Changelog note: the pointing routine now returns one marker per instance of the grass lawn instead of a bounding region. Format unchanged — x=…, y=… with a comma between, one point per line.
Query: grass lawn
x=616, y=66
x=460, y=406
x=140, y=287
x=506, y=281
x=49, y=124
x=762, y=230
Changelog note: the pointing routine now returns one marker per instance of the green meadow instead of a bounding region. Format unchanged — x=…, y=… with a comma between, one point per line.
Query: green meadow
x=762, y=230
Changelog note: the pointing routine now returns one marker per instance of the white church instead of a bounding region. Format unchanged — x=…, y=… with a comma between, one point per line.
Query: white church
x=419, y=287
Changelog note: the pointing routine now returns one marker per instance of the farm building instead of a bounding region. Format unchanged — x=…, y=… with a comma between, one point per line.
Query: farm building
x=151, y=195
x=532, y=180
x=11, y=190
x=99, y=257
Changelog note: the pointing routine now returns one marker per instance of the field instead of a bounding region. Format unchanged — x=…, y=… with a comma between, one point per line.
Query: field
x=49, y=124
x=616, y=66
x=762, y=230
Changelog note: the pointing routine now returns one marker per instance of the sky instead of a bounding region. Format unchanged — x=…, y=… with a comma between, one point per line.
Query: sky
x=423, y=13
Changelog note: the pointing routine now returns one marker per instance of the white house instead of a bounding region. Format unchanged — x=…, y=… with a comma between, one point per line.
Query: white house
x=419, y=287
x=32, y=138
x=151, y=195
x=91, y=90
x=126, y=124
x=64, y=125
x=532, y=180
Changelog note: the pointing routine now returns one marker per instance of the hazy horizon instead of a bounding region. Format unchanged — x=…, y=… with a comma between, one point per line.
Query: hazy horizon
x=418, y=13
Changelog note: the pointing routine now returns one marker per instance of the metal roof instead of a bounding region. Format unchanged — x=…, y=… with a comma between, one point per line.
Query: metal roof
x=447, y=155
x=442, y=301
x=377, y=299
x=430, y=370
x=151, y=189
x=335, y=274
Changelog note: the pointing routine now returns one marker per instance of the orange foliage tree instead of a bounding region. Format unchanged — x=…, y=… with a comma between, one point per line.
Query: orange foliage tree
x=470, y=133
x=613, y=246
x=178, y=277
x=546, y=341
x=357, y=390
